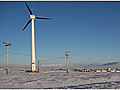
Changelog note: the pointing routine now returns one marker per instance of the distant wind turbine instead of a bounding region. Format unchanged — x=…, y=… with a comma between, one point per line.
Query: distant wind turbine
x=32, y=17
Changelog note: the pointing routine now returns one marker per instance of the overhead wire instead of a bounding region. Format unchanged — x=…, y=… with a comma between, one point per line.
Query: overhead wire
x=30, y=55
x=53, y=59
x=49, y=60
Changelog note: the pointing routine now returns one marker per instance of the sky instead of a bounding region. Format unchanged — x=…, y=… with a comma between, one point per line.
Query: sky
x=89, y=30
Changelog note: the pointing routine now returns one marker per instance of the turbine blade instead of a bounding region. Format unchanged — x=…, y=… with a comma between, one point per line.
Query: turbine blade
x=27, y=24
x=42, y=18
x=29, y=9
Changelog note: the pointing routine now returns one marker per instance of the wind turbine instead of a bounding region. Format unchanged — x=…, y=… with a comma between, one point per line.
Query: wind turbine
x=32, y=18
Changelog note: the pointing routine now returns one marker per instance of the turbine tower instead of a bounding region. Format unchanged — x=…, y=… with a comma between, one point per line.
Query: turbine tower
x=32, y=18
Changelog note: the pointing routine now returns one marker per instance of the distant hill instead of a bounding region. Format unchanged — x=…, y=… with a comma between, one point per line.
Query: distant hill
x=111, y=63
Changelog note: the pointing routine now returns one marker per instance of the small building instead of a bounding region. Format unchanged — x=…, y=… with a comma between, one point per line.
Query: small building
x=103, y=70
x=109, y=69
x=98, y=70
x=93, y=70
x=117, y=71
x=85, y=70
x=113, y=70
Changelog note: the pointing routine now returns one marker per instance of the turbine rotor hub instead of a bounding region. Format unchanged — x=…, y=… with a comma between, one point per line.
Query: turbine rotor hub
x=32, y=16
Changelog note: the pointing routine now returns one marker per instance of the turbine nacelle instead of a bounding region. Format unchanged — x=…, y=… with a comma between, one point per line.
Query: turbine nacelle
x=32, y=16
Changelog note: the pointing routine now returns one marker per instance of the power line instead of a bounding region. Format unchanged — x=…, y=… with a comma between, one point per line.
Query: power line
x=53, y=59
x=36, y=55
x=49, y=60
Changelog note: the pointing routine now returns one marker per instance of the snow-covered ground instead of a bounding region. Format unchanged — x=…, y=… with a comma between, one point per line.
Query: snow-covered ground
x=59, y=80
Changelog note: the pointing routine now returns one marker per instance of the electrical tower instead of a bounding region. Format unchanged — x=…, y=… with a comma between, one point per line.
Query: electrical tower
x=7, y=44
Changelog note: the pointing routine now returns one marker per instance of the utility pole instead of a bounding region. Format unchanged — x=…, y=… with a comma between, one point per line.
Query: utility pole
x=7, y=58
x=67, y=54
x=38, y=66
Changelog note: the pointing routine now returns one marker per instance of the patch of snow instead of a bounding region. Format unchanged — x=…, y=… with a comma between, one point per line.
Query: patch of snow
x=59, y=80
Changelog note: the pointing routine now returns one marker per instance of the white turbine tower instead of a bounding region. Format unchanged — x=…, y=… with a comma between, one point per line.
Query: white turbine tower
x=32, y=17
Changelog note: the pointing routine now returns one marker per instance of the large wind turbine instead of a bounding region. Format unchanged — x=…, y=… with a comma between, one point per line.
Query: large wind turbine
x=32, y=17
